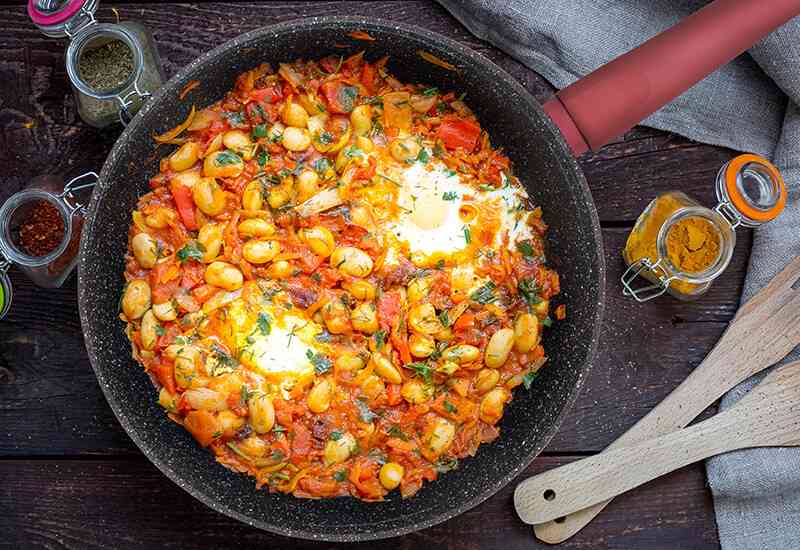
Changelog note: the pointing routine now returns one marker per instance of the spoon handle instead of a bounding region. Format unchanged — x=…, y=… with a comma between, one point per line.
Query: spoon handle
x=767, y=416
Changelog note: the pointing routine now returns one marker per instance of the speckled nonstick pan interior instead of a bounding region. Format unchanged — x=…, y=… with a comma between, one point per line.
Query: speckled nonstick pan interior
x=543, y=163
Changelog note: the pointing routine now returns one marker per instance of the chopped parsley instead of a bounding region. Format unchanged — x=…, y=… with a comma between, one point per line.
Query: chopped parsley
x=321, y=363
x=485, y=294
x=160, y=330
x=423, y=156
x=245, y=396
x=341, y=475
x=526, y=249
x=421, y=369
x=485, y=187
x=445, y=464
x=347, y=97
x=449, y=407
x=395, y=431
x=431, y=91
x=260, y=131
x=321, y=165
x=440, y=264
x=227, y=157
x=224, y=358
x=336, y=435
x=437, y=353
x=528, y=379
x=364, y=412
x=277, y=455
x=380, y=339
x=264, y=324
x=192, y=250
x=325, y=138
x=547, y=321
x=444, y=318
x=529, y=291
x=262, y=158
x=449, y=196
x=467, y=234
x=235, y=118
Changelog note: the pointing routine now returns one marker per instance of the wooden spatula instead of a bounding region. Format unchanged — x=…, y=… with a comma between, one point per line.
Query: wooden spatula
x=763, y=332
x=768, y=416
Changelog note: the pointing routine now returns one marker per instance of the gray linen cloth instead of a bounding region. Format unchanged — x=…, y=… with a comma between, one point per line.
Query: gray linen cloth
x=749, y=105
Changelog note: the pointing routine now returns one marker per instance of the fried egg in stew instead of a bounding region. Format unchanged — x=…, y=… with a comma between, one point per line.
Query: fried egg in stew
x=335, y=282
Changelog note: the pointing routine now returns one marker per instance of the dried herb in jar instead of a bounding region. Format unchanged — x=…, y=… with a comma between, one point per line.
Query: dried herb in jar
x=43, y=229
x=106, y=67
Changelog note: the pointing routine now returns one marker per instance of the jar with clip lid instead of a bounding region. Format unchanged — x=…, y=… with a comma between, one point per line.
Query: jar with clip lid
x=680, y=247
x=40, y=230
x=112, y=67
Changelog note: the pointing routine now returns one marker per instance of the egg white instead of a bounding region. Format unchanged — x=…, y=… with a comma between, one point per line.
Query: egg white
x=284, y=350
x=428, y=222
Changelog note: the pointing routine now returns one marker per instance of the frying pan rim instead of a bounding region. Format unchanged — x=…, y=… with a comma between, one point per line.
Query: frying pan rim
x=174, y=85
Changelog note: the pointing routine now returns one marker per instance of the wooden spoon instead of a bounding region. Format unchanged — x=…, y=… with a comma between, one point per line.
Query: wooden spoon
x=763, y=332
x=768, y=416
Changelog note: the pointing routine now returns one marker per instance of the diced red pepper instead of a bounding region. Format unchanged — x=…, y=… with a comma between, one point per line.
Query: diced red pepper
x=388, y=308
x=459, y=134
x=203, y=425
x=165, y=374
x=329, y=64
x=341, y=98
x=366, y=172
x=192, y=274
x=270, y=94
x=203, y=293
x=183, y=200
x=368, y=77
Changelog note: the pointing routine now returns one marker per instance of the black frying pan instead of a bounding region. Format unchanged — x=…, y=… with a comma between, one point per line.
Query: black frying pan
x=544, y=163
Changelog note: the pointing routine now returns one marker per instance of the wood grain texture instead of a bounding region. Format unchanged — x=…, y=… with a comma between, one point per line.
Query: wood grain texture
x=106, y=495
x=765, y=417
x=83, y=504
x=764, y=331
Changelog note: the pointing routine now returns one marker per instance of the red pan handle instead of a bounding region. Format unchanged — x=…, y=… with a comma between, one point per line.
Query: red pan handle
x=619, y=95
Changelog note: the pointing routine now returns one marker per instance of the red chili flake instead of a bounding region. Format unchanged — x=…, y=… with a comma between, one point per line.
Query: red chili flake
x=43, y=230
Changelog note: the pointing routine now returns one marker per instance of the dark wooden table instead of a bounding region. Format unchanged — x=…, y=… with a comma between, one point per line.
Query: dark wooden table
x=69, y=475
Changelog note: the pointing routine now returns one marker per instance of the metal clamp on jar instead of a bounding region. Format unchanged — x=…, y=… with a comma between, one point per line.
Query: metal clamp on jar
x=112, y=68
x=40, y=230
x=680, y=247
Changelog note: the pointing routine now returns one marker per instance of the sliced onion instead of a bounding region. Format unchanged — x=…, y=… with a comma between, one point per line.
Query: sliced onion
x=186, y=302
x=221, y=299
x=170, y=135
x=324, y=200
x=293, y=77
x=423, y=103
x=430, y=58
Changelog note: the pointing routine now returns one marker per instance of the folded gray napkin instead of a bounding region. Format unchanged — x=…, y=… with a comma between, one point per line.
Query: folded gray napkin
x=749, y=105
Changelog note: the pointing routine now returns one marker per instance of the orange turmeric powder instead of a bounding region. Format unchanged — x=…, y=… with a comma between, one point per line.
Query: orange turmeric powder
x=693, y=244
x=692, y=248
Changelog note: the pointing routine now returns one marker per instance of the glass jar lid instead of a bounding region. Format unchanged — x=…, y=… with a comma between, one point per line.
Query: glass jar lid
x=751, y=190
x=60, y=18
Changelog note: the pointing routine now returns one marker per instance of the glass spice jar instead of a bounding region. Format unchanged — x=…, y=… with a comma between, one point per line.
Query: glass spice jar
x=680, y=247
x=40, y=230
x=112, y=68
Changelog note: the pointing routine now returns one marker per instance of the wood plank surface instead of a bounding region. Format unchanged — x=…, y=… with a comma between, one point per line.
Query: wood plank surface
x=71, y=478
x=130, y=504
